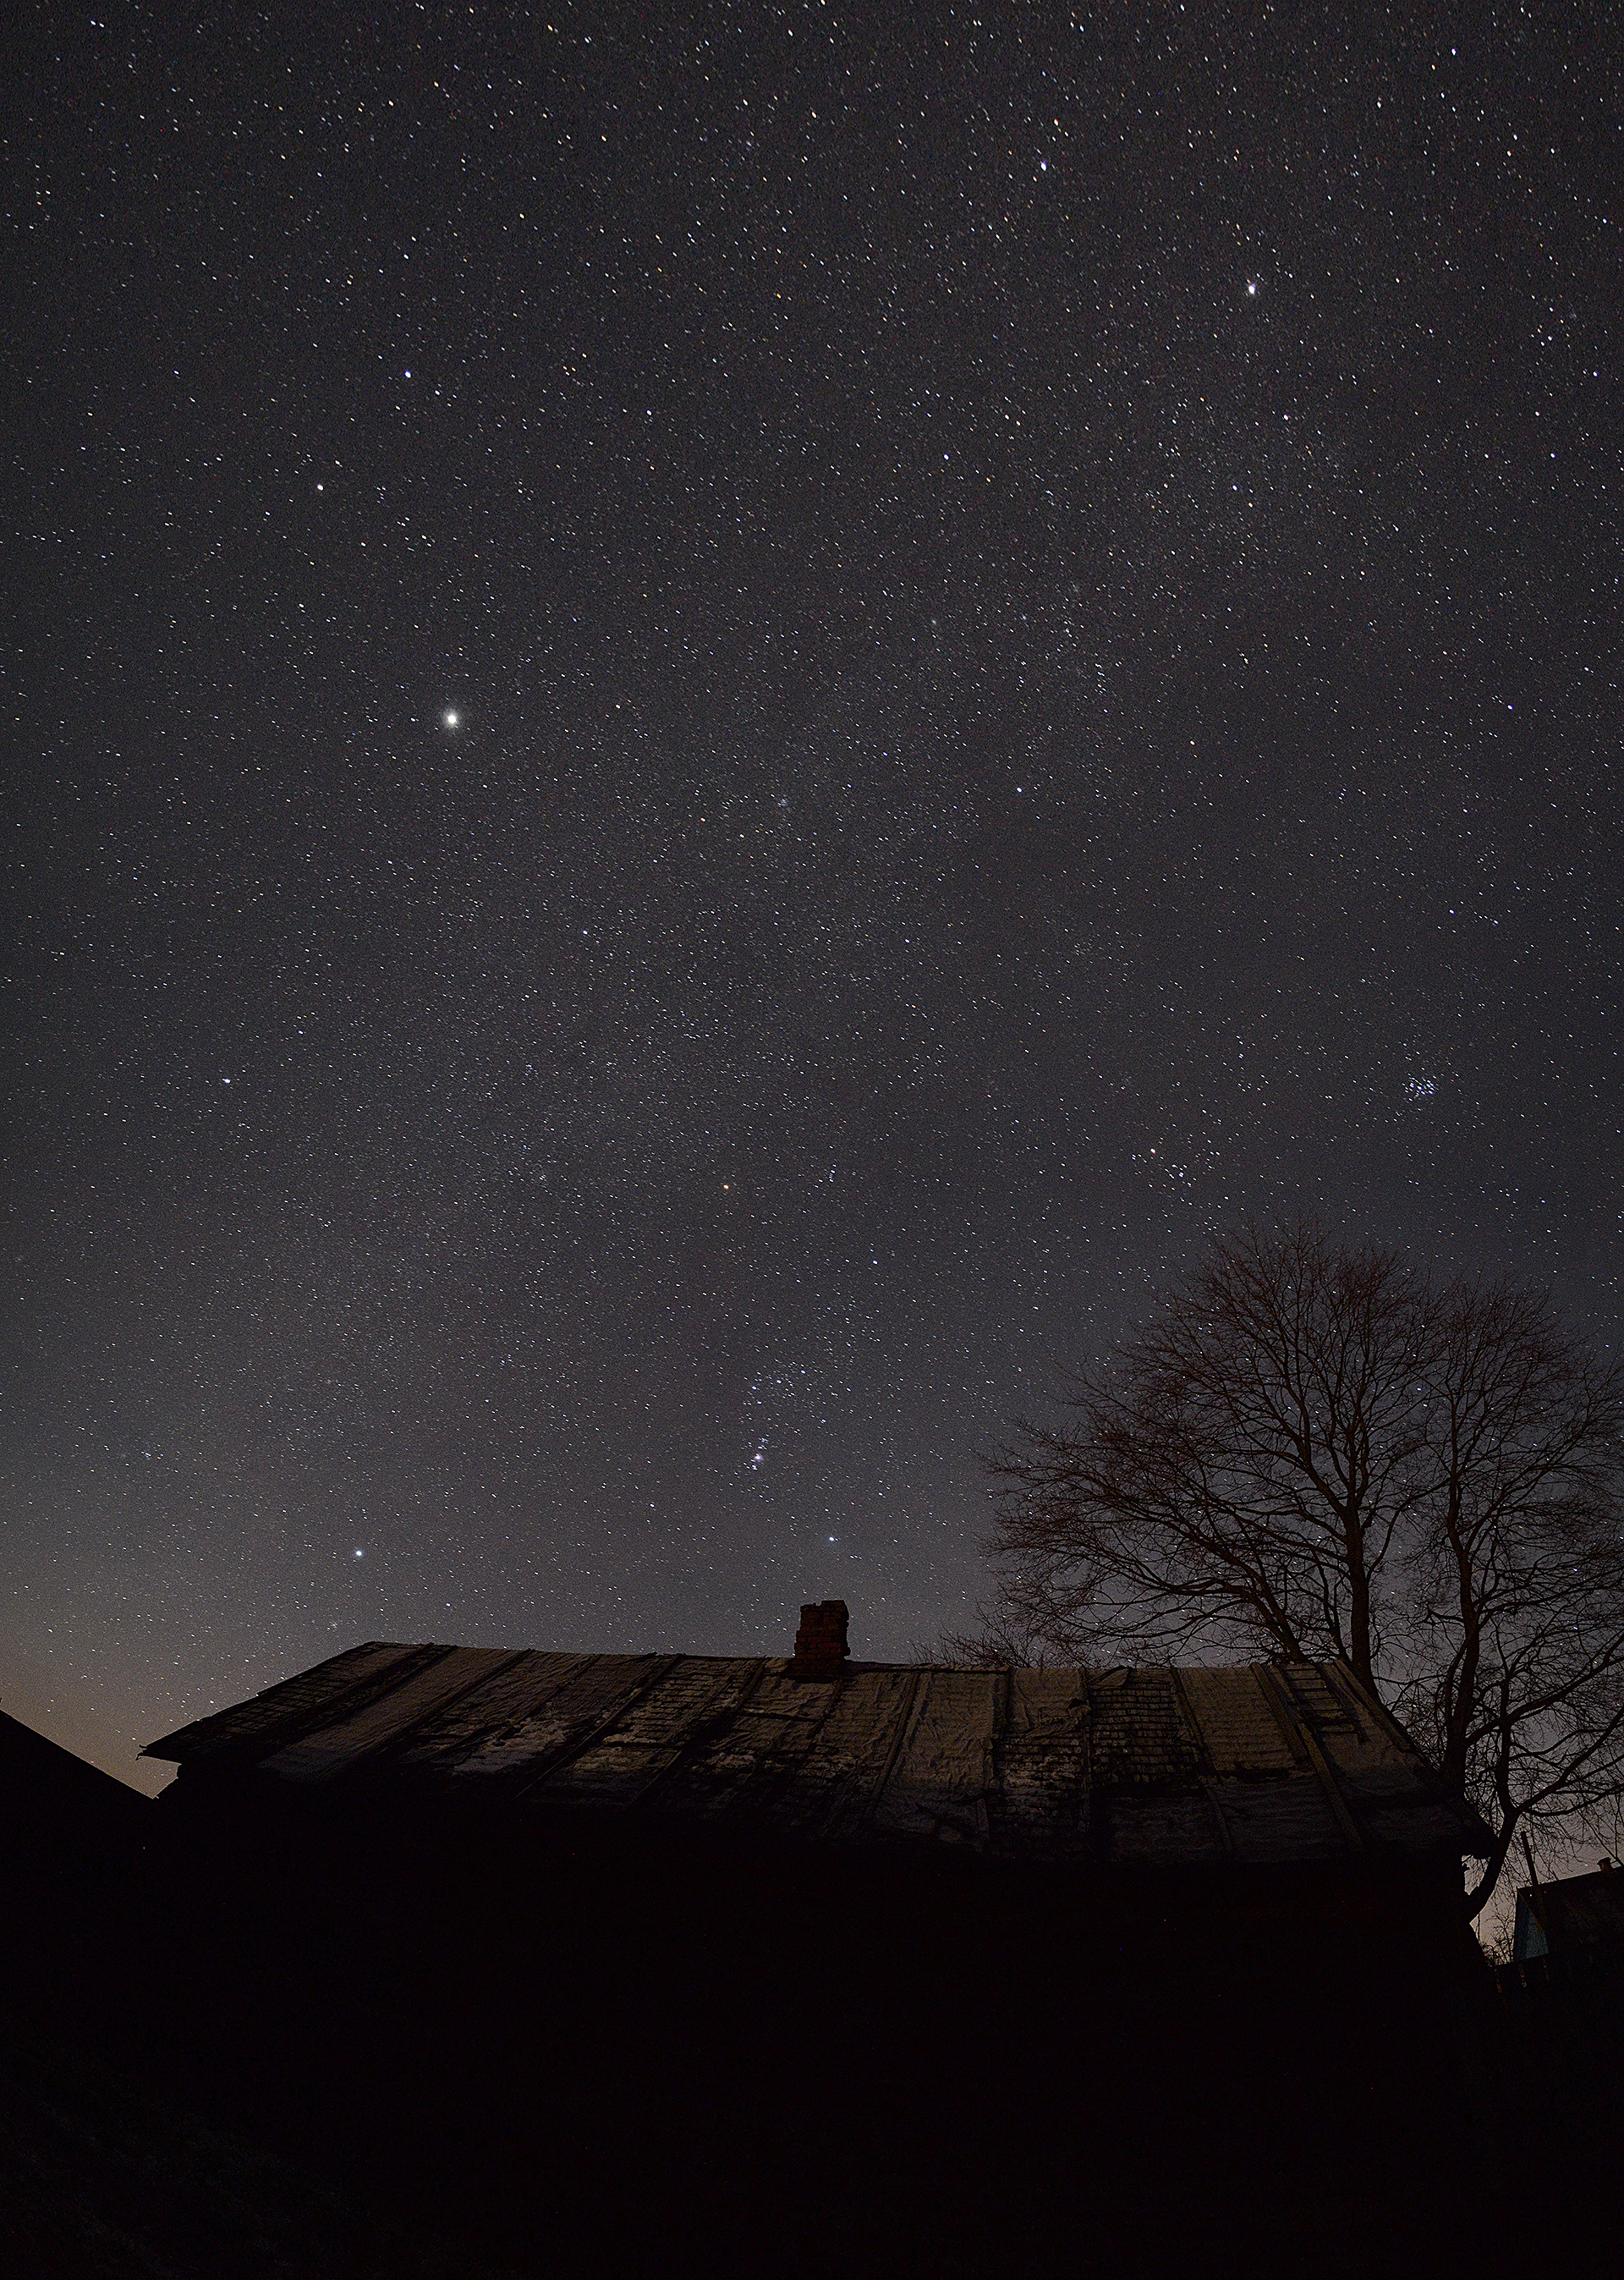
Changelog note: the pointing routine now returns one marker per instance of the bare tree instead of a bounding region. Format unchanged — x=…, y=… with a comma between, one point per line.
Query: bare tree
x=1314, y=1451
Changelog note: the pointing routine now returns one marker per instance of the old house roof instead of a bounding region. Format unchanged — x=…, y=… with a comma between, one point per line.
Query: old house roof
x=1260, y=1765
x=49, y=1794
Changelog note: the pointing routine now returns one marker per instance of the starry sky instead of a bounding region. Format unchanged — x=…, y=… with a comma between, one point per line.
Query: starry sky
x=719, y=719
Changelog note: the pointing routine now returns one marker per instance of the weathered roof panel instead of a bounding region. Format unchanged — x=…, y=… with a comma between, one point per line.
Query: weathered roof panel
x=737, y=1768
x=320, y=1752
x=938, y=1785
x=622, y=1757
x=294, y=1705
x=1176, y=1826
x=1140, y=1738
x=591, y=1692
x=500, y=1706
x=1039, y=1802
x=1272, y=1820
x=1257, y=1766
x=850, y=1753
x=1233, y=1718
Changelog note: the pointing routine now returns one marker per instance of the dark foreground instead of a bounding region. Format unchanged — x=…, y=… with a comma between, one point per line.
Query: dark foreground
x=260, y=2042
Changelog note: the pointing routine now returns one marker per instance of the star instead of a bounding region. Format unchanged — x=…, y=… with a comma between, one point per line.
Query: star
x=754, y=683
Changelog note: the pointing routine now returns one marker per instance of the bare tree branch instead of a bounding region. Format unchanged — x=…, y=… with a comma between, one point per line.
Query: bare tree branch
x=1313, y=1451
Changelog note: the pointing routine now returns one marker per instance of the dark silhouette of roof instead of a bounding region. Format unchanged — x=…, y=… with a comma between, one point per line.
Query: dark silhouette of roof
x=72, y=1836
x=51, y=1793
x=1252, y=1765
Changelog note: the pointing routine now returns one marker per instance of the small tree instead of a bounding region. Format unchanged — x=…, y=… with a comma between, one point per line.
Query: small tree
x=1313, y=1450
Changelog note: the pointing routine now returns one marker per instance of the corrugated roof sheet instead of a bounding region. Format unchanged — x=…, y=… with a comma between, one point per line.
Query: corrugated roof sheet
x=1253, y=1764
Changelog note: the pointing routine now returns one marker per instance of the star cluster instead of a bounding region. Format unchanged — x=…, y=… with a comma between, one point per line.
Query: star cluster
x=720, y=718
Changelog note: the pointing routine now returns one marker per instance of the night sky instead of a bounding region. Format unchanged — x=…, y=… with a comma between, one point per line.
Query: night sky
x=719, y=720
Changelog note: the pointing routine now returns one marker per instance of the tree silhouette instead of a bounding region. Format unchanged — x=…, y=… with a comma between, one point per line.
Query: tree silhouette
x=1314, y=1451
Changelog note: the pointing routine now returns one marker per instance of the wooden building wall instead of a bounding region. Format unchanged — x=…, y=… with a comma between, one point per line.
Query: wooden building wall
x=634, y=2045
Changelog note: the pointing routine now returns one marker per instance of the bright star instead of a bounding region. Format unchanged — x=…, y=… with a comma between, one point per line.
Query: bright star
x=451, y=719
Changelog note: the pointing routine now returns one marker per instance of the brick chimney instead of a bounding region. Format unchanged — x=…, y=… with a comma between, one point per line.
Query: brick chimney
x=821, y=1649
